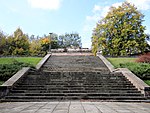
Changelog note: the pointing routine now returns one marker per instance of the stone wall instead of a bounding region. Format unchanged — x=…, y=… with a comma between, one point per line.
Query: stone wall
x=61, y=50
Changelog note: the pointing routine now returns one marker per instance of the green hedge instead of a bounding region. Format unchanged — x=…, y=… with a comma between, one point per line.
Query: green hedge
x=142, y=70
x=8, y=70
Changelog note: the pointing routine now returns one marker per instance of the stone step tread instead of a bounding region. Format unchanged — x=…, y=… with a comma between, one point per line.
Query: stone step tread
x=76, y=97
x=98, y=73
x=75, y=91
x=75, y=85
x=61, y=88
x=69, y=87
x=57, y=73
x=68, y=81
x=78, y=84
x=76, y=78
x=65, y=82
x=75, y=94
x=83, y=80
x=84, y=100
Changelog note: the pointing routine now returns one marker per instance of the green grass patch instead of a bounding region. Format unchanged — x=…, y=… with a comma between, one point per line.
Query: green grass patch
x=142, y=70
x=7, y=70
x=10, y=66
x=117, y=61
x=30, y=60
x=147, y=82
x=6, y=60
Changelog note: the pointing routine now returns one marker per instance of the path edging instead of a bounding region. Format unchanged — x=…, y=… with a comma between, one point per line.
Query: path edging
x=41, y=63
x=136, y=81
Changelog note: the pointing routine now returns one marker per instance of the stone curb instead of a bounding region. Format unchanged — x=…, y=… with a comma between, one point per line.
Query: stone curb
x=106, y=62
x=136, y=81
x=6, y=86
x=72, y=54
x=16, y=77
x=41, y=63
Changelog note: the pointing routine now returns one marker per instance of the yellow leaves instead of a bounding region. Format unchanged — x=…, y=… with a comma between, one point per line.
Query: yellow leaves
x=45, y=41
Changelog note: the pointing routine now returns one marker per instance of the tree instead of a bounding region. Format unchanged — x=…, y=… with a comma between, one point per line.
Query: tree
x=20, y=43
x=2, y=42
x=72, y=40
x=47, y=40
x=54, y=41
x=36, y=48
x=121, y=32
x=148, y=37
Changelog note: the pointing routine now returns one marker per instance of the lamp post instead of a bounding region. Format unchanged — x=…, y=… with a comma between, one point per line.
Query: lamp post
x=50, y=42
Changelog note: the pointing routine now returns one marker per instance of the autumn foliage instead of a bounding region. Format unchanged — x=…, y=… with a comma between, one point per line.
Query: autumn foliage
x=145, y=58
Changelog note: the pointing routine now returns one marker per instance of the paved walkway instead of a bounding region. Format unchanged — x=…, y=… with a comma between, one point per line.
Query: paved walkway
x=74, y=107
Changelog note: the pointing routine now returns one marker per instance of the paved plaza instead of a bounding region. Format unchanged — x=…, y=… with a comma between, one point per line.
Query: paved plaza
x=74, y=107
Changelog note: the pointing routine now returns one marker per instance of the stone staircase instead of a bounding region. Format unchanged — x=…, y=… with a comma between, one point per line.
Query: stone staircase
x=73, y=78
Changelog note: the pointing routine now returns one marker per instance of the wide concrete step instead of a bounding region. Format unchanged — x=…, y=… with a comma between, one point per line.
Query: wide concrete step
x=75, y=91
x=74, y=81
x=75, y=94
x=82, y=80
x=74, y=75
x=77, y=84
x=42, y=98
x=76, y=88
x=106, y=85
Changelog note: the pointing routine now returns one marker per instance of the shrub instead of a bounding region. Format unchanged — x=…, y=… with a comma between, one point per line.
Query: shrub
x=142, y=70
x=145, y=58
x=8, y=70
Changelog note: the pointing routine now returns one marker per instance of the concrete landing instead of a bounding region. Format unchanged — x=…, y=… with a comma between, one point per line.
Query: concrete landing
x=74, y=107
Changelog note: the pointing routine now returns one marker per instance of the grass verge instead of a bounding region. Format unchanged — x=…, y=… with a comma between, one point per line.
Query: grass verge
x=9, y=66
x=147, y=82
x=117, y=61
x=30, y=60
x=142, y=70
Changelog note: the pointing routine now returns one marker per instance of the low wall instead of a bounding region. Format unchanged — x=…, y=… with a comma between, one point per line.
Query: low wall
x=70, y=50
x=136, y=81
x=10, y=83
x=41, y=63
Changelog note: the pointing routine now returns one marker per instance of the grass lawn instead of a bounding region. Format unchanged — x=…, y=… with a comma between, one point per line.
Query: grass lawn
x=147, y=82
x=31, y=60
x=116, y=61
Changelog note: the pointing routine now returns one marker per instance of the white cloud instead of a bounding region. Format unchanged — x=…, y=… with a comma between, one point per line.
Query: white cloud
x=98, y=13
x=97, y=8
x=45, y=4
x=117, y=4
x=141, y=4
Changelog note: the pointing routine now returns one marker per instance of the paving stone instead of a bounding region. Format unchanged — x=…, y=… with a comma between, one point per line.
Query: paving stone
x=62, y=107
x=74, y=107
x=103, y=108
x=90, y=108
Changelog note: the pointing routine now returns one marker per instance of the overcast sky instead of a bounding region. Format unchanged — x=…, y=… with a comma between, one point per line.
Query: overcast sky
x=40, y=17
